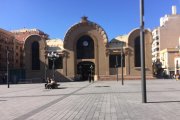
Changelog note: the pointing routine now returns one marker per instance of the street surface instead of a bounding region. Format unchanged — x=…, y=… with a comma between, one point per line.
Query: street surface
x=101, y=100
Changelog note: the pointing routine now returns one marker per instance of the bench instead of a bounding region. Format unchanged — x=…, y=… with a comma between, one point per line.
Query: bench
x=51, y=85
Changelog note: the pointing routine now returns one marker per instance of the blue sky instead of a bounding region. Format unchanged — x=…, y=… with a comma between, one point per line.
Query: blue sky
x=55, y=17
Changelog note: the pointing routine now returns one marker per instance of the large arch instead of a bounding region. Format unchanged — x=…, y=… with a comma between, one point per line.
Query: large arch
x=133, y=43
x=98, y=37
x=34, y=62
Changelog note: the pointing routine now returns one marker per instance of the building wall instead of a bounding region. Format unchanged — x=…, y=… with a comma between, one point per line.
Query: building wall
x=177, y=65
x=167, y=57
x=18, y=54
x=170, y=32
x=171, y=56
x=6, y=43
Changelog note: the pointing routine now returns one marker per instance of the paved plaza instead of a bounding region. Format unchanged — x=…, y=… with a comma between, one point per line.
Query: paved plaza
x=101, y=100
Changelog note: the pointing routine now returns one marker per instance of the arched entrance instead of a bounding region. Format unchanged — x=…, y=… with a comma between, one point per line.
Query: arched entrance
x=86, y=70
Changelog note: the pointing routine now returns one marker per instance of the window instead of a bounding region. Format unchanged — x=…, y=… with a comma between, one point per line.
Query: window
x=116, y=59
x=157, y=37
x=157, y=49
x=58, y=63
x=137, y=52
x=85, y=48
x=35, y=56
x=177, y=67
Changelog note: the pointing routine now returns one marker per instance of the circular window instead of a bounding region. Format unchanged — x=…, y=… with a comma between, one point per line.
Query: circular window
x=85, y=43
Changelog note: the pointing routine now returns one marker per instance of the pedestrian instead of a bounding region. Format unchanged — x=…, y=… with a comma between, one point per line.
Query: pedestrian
x=47, y=85
x=89, y=77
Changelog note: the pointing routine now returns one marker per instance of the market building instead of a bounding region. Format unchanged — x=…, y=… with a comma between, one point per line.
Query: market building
x=85, y=52
x=166, y=42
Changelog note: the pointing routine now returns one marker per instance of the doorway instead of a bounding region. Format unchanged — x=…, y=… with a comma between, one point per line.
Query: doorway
x=85, y=70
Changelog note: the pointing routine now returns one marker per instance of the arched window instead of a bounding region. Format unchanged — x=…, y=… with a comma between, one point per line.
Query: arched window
x=85, y=48
x=137, y=52
x=35, y=56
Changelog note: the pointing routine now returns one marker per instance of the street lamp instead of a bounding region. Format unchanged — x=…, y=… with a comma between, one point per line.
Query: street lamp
x=53, y=56
x=8, y=68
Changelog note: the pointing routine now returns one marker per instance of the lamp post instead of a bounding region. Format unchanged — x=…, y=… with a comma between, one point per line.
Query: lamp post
x=122, y=53
x=143, y=72
x=45, y=66
x=117, y=66
x=53, y=56
x=8, y=68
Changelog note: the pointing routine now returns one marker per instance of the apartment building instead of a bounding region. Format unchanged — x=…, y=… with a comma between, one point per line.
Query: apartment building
x=12, y=52
x=167, y=34
x=6, y=49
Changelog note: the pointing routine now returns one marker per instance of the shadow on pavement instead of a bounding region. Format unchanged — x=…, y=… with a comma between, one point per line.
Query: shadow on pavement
x=165, y=101
x=61, y=88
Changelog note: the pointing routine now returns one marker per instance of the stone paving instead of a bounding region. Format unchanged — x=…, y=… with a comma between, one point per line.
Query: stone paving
x=101, y=100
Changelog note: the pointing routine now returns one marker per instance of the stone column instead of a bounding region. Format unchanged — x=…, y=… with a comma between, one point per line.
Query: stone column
x=65, y=64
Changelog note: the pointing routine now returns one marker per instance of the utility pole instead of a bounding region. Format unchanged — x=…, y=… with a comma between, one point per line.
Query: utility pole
x=143, y=71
